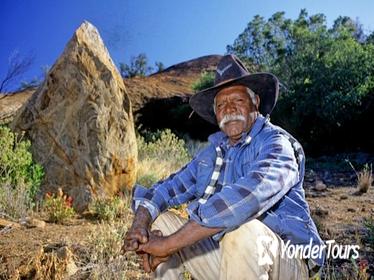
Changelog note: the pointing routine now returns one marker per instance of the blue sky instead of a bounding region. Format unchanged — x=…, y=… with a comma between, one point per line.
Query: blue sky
x=169, y=31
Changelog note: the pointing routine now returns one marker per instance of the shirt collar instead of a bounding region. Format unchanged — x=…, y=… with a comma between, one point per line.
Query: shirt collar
x=220, y=139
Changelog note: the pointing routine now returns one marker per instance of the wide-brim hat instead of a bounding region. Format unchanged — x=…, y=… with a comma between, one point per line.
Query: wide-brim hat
x=231, y=71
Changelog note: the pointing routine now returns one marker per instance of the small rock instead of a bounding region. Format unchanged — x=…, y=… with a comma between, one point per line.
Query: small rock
x=8, y=224
x=71, y=268
x=320, y=186
x=320, y=212
x=343, y=197
x=351, y=210
x=32, y=222
x=64, y=253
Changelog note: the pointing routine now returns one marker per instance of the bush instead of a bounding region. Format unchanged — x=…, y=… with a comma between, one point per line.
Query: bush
x=107, y=209
x=206, y=80
x=20, y=177
x=160, y=154
x=58, y=207
x=14, y=202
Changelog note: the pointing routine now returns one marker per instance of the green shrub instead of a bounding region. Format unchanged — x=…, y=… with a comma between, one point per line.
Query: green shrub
x=107, y=209
x=148, y=179
x=18, y=173
x=164, y=145
x=206, y=80
x=58, y=207
x=160, y=155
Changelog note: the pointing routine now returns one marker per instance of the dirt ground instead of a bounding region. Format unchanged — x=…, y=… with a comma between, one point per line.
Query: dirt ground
x=338, y=211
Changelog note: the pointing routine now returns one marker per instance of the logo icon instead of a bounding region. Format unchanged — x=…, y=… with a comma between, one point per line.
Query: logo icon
x=220, y=72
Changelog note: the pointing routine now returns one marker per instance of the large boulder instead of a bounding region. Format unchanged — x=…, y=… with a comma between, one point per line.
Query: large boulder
x=80, y=123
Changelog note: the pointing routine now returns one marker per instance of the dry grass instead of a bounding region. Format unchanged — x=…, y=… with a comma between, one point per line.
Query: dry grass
x=14, y=202
x=365, y=179
x=151, y=170
x=102, y=257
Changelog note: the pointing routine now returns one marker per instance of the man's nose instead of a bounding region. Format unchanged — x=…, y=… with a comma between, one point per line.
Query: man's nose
x=230, y=108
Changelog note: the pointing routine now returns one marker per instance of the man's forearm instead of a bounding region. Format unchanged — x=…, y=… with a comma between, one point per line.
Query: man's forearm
x=138, y=233
x=142, y=218
x=189, y=234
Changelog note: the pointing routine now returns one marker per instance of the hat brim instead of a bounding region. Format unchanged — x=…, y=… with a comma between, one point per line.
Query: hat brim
x=266, y=85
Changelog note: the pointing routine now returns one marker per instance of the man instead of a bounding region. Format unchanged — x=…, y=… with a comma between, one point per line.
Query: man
x=244, y=191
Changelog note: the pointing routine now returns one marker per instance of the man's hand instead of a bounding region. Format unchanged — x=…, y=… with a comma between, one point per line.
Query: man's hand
x=138, y=233
x=150, y=262
x=134, y=237
x=157, y=245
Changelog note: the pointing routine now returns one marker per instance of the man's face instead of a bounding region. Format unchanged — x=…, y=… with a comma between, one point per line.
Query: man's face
x=235, y=111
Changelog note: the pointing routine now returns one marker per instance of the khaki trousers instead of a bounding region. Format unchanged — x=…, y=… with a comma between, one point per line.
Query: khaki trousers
x=252, y=251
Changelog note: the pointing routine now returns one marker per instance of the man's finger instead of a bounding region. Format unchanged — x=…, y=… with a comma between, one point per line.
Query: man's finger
x=156, y=261
x=142, y=248
x=142, y=236
x=146, y=263
x=157, y=232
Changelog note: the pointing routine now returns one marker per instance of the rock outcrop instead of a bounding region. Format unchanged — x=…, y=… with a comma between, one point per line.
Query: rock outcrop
x=11, y=103
x=80, y=123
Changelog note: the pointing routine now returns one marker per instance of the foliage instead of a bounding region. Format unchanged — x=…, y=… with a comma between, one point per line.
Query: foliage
x=20, y=177
x=206, y=80
x=160, y=153
x=159, y=66
x=328, y=75
x=138, y=67
x=58, y=207
x=107, y=209
x=36, y=81
x=18, y=65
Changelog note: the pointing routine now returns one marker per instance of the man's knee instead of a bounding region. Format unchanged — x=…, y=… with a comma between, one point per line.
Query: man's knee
x=253, y=237
x=168, y=223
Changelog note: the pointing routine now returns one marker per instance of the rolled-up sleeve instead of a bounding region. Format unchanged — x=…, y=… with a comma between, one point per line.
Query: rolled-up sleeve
x=265, y=181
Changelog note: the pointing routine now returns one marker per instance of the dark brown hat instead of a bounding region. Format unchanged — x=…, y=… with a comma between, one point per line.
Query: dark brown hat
x=231, y=71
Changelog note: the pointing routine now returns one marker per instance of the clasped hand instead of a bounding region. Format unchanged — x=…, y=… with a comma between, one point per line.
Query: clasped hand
x=150, y=245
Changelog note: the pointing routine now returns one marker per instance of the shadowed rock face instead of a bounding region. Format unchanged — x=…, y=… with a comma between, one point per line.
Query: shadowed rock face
x=80, y=123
